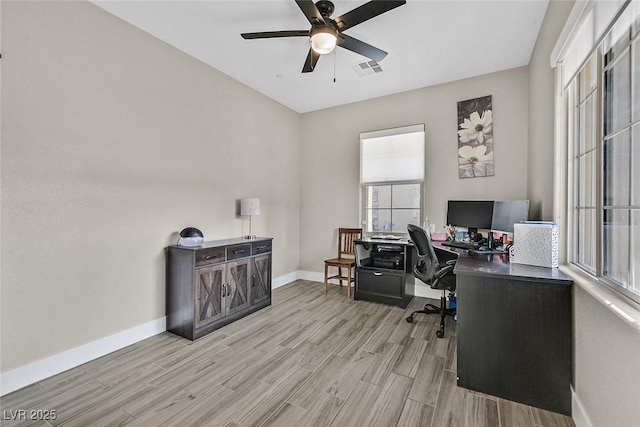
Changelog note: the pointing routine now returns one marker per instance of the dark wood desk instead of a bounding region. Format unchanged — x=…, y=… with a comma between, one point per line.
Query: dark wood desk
x=514, y=330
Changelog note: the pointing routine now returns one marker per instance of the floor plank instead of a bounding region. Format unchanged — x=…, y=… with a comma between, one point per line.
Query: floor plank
x=358, y=406
x=481, y=411
x=309, y=359
x=514, y=414
x=415, y=414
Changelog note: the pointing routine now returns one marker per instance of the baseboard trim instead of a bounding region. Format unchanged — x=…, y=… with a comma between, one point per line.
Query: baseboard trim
x=25, y=375
x=421, y=290
x=579, y=415
x=276, y=282
x=52, y=365
x=313, y=276
x=425, y=291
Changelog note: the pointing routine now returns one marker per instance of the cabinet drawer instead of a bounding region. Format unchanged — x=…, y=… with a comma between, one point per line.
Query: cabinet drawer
x=209, y=256
x=238, y=251
x=260, y=247
x=380, y=282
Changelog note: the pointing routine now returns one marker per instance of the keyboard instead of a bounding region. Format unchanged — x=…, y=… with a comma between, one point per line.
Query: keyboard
x=460, y=245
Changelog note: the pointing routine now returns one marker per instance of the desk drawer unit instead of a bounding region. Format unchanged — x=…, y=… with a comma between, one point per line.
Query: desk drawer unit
x=381, y=282
x=384, y=272
x=381, y=285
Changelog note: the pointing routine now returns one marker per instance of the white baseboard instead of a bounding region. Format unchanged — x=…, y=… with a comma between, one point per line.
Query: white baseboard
x=276, y=282
x=421, y=290
x=425, y=291
x=314, y=276
x=52, y=365
x=579, y=415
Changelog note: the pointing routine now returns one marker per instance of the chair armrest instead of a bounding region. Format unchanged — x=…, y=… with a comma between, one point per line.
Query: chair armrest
x=448, y=269
x=451, y=262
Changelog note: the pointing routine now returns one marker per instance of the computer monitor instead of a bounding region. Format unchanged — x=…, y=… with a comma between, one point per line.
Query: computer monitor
x=508, y=212
x=473, y=214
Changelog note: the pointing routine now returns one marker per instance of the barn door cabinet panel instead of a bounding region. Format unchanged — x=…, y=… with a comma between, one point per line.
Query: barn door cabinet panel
x=215, y=284
x=210, y=283
x=260, y=279
x=236, y=296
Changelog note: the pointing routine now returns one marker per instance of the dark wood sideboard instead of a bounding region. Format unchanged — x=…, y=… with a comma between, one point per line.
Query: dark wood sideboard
x=212, y=285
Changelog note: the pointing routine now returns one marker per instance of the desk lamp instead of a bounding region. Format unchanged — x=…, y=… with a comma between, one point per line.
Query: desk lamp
x=250, y=206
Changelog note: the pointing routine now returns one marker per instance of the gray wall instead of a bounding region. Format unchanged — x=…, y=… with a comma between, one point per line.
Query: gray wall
x=541, y=112
x=606, y=374
x=607, y=377
x=330, y=154
x=112, y=142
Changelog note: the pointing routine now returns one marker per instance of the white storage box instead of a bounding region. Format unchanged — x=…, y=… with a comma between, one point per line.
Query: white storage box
x=535, y=243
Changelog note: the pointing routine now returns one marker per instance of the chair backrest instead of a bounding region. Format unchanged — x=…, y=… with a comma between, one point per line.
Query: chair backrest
x=346, y=241
x=427, y=263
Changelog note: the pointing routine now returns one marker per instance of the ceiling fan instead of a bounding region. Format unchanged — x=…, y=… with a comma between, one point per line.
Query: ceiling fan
x=326, y=33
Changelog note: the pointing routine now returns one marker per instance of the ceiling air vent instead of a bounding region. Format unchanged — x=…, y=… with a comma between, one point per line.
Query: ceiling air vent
x=368, y=68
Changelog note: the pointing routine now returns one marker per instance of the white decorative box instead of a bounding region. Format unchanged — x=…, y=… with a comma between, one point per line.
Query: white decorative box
x=535, y=243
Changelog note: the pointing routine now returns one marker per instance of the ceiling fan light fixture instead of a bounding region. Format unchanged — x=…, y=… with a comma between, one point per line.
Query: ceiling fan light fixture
x=323, y=39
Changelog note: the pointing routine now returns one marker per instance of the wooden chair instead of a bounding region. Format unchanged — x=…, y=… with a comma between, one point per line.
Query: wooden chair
x=346, y=258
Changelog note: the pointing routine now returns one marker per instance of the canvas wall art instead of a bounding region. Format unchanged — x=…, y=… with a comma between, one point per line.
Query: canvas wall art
x=475, y=138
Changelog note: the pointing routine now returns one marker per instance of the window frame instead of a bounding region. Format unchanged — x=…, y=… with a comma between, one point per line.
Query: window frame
x=364, y=208
x=568, y=131
x=418, y=128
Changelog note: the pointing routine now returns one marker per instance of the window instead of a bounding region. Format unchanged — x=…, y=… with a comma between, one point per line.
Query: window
x=391, y=179
x=582, y=98
x=620, y=149
x=602, y=101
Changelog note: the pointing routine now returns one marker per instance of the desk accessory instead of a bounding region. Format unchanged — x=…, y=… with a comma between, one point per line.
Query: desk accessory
x=535, y=243
x=191, y=237
x=439, y=237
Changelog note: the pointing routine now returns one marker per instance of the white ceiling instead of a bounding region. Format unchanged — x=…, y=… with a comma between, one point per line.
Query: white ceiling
x=429, y=42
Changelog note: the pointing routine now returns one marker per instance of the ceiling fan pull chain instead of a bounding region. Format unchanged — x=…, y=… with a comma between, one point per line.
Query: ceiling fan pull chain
x=334, y=65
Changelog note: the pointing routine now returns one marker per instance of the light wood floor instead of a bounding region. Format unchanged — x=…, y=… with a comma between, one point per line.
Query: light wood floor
x=308, y=360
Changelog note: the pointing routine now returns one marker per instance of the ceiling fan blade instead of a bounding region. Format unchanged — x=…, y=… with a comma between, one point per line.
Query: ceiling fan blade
x=272, y=34
x=365, y=12
x=360, y=47
x=311, y=61
x=310, y=11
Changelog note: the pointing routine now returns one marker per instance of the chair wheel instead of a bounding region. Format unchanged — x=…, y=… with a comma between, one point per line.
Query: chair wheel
x=410, y=319
x=440, y=334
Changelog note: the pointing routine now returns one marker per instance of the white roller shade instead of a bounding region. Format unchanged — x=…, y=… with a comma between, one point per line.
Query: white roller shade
x=585, y=27
x=393, y=155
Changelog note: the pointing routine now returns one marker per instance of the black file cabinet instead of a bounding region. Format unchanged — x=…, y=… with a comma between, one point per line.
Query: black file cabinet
x=384, y=271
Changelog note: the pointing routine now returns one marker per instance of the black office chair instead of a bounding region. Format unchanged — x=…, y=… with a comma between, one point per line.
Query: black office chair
x=429, y=270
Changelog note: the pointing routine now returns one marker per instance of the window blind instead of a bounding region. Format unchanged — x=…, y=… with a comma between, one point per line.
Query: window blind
x=393, y=155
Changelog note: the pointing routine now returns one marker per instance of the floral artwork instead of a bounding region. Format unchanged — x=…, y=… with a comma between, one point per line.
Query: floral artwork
x=475, y=138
